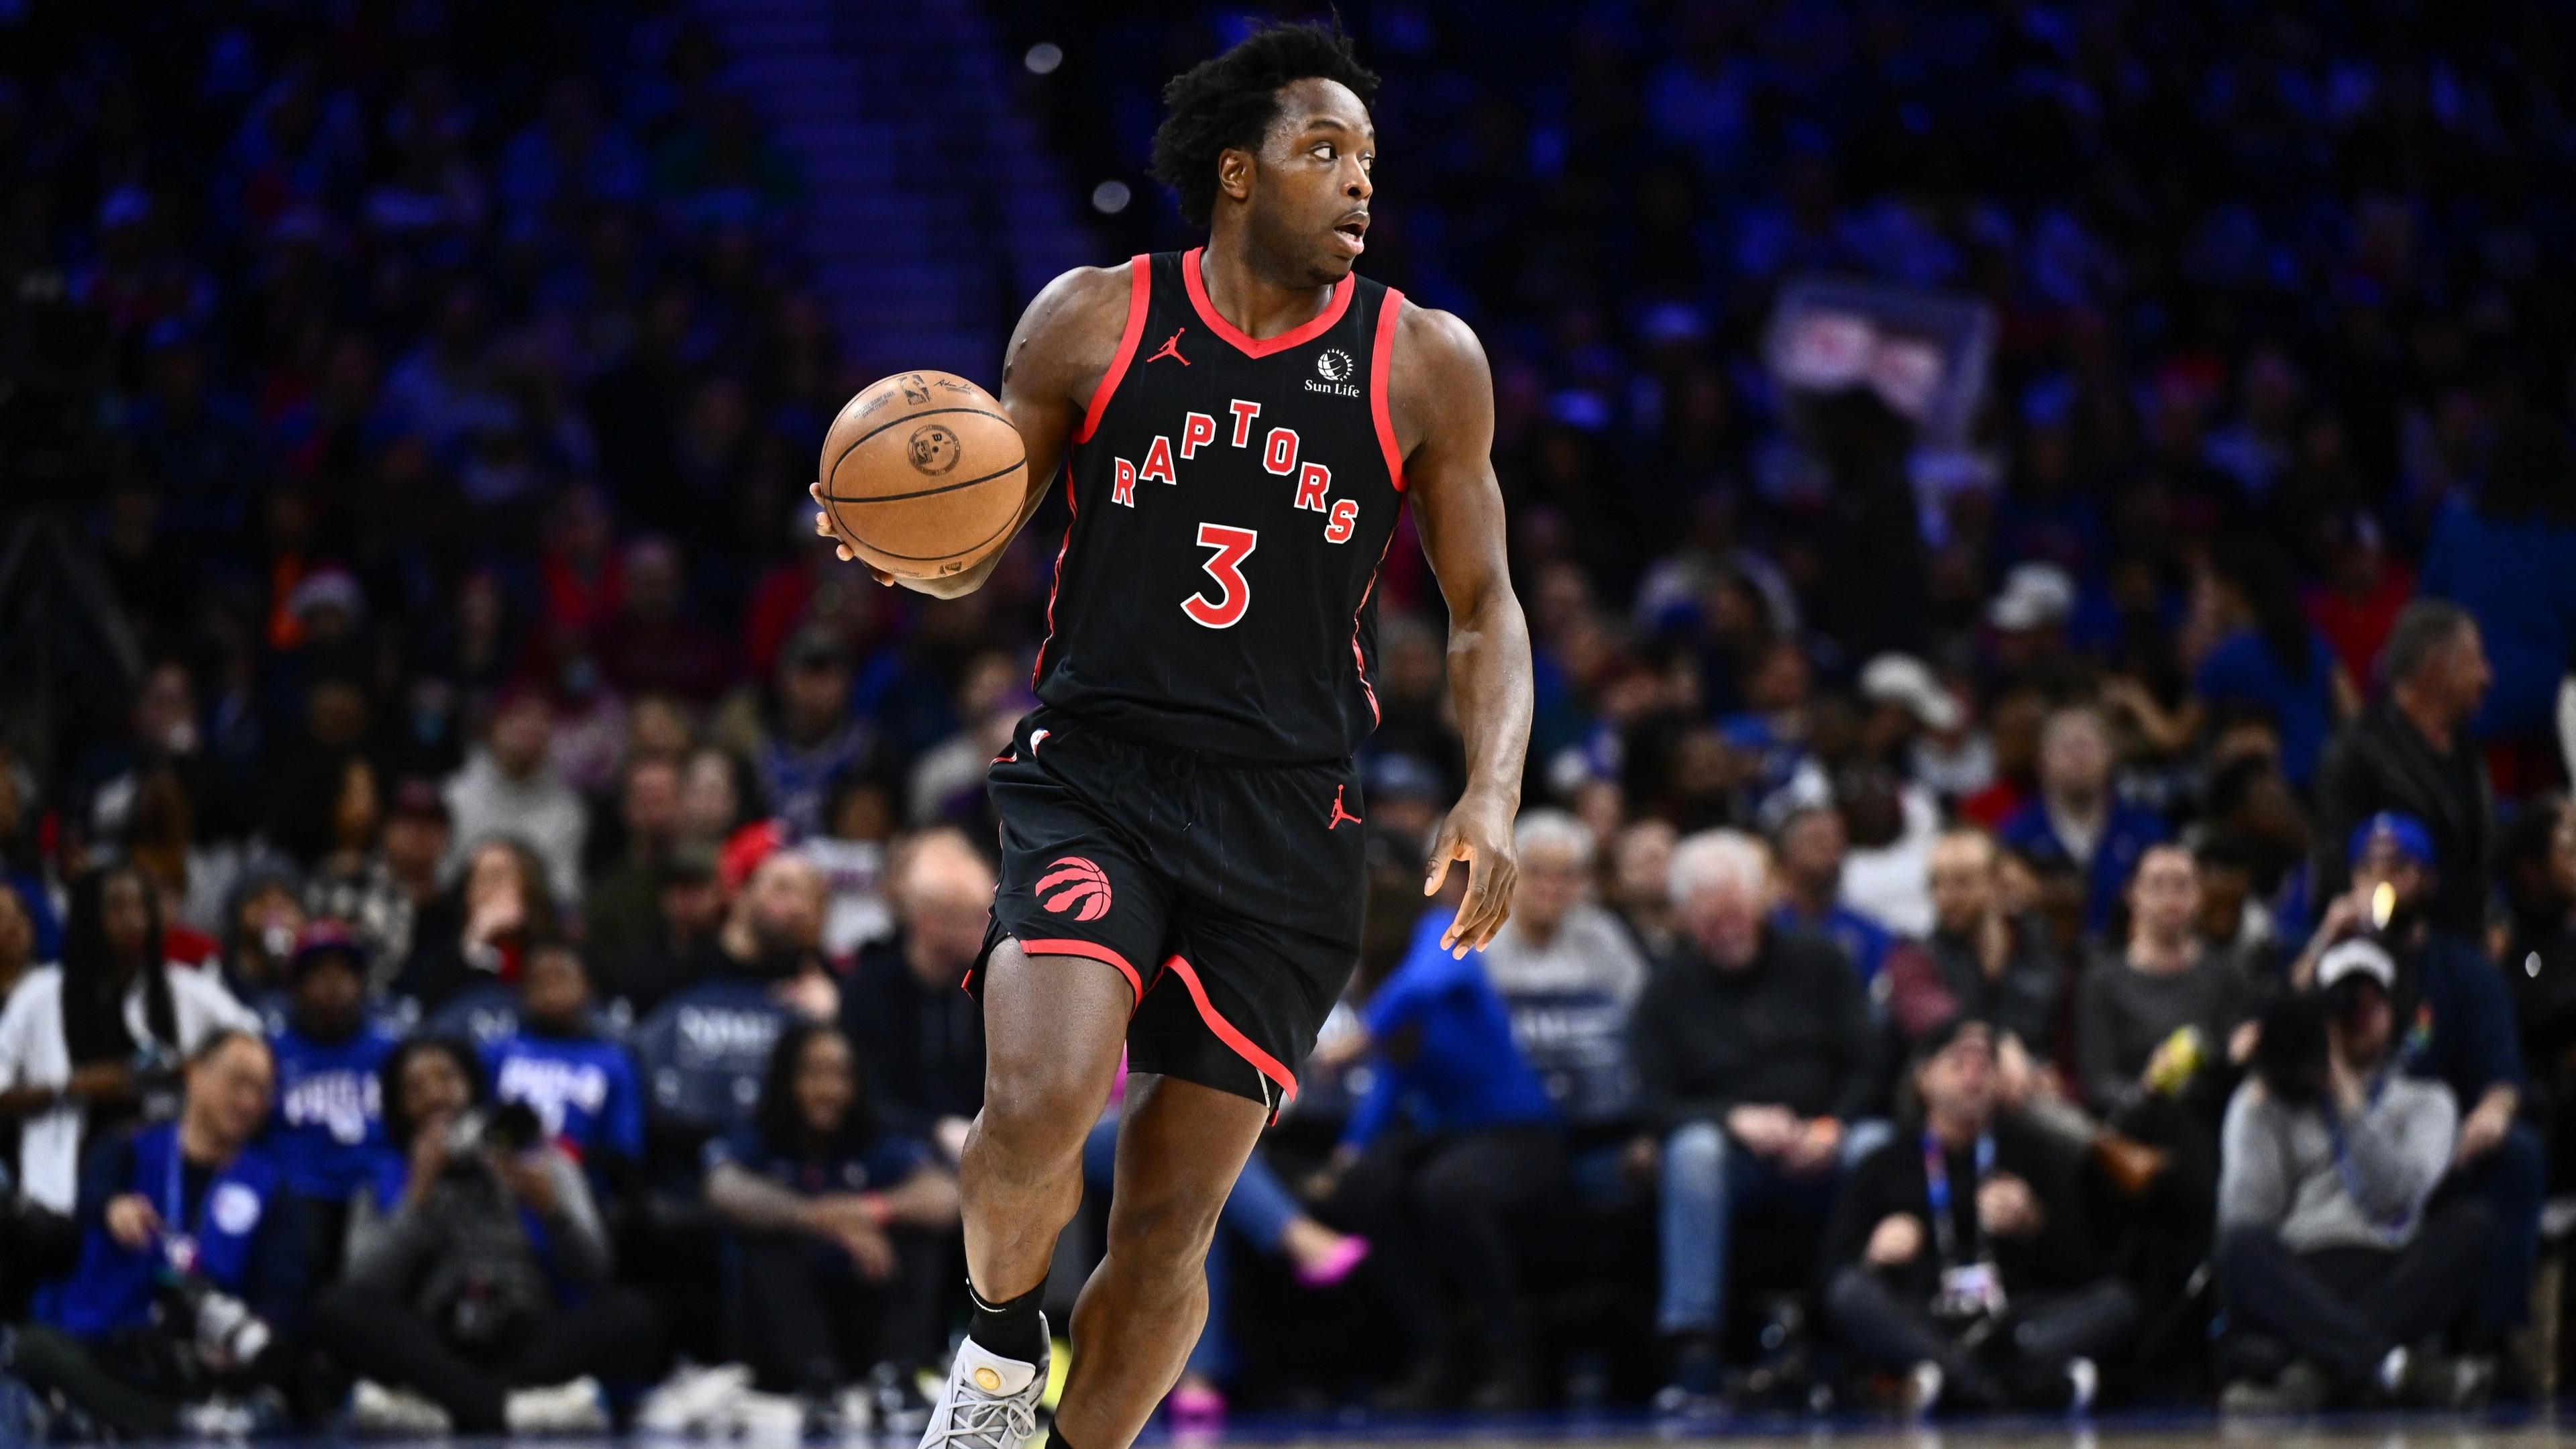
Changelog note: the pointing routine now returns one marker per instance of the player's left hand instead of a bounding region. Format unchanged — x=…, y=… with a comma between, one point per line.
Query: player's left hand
x=1479, y=832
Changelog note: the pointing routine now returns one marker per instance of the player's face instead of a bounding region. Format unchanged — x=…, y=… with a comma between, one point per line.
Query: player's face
x=1310, y=204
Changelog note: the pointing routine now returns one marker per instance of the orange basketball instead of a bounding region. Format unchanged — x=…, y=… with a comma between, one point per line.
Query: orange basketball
x=923, y=472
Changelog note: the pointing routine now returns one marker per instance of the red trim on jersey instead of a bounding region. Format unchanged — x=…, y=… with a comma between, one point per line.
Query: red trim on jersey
x=1140, y=291
x=1359, y=661
x=1313, y=328
x=1037, y=666
x=1090, y=951
x=1381, y=353
x=1224, y=1030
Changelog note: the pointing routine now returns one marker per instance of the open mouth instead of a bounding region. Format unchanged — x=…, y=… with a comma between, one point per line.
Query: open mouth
x=1353, y=231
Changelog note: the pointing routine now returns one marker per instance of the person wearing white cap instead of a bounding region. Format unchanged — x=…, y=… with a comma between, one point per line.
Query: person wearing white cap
x=2326, y=1242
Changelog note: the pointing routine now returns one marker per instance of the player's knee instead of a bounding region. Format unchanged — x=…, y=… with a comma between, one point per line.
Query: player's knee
x=1165, y=1229
x=1036, y=1109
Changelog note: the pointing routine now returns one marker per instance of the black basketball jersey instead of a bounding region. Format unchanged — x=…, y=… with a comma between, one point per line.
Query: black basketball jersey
x=1232, y=499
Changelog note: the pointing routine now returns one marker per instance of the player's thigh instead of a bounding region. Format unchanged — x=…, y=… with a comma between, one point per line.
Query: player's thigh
x=1181, y=1146
x=1078, y=918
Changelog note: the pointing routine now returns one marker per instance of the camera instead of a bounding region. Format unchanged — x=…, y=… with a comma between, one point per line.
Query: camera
x=508, y=1129
x=225, y=1329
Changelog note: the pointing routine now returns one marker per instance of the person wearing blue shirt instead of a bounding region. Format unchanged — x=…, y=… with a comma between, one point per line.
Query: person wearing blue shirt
x=580, y=1085
x=2455, y=1025
x=191, y=1256
x=2076, y=820
x=1810, y=843
x=2276, y=663
x=839, y=1231
x=1454, y=1136
x=328, y=1125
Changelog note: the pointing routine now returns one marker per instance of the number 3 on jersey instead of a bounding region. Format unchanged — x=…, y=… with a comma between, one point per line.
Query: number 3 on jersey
x=1233, y=546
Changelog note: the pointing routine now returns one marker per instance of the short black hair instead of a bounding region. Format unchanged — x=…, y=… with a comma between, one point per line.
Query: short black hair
x=1229, y=103
x=398, y=1123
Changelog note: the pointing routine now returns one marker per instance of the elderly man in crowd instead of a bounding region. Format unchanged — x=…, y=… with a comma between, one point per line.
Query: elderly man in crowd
x=1759, y=1064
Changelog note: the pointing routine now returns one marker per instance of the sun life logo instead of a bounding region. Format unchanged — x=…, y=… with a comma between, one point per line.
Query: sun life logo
x=1335, y=367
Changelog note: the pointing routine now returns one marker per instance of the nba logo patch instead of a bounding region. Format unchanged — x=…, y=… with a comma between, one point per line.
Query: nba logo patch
x=1073, y=886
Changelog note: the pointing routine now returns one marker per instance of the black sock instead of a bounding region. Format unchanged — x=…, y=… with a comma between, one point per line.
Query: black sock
x=1056, y=1439
x=1011, y=1329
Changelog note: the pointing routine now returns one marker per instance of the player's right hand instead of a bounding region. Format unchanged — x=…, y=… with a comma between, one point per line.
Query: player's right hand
x=840, y=545
x=1479, y=832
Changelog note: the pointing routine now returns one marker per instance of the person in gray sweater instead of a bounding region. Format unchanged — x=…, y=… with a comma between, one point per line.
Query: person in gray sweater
x=2326, y=1241
x=478, y=1287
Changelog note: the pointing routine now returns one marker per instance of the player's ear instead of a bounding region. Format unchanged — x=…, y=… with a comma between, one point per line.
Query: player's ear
x=1234, y=173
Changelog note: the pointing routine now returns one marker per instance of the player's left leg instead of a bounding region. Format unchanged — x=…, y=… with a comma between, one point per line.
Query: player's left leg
x=1180, y=1147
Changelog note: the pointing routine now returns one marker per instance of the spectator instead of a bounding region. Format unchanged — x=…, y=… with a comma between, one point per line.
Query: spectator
x=622, y=905
x=2330, y=1158
x=1639, y=890
x=2159, y=1019
x=481, y=931
x=839, y=1226
x=418, y=831
x=1809, y=843
x=2410, y=752
x=2233, y=922
x=689, y=911
x=1454, y=1139
x=651, y=645
x=89, y=1045
x=15, y=871
x=262, y=916
x=1963, y=1260
x=2271, y=659
x=191, y=1271
x=1980, y=962
x=817, y=736
x=17, y=961
x=355, y=882
x=2461, y=1033
x=2537, y=866
x=2509, y=561
x=920, y=1035
x=775, y=934
x=2076, y=819
x=858, y=813
x=1569, y=974
x=509, y=788
x=1759, y=1063
x=580, y=1084
x=328, y=1128
x=478, y=1293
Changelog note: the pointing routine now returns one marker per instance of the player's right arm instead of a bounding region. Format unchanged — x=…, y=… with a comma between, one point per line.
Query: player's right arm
x=1057, y=356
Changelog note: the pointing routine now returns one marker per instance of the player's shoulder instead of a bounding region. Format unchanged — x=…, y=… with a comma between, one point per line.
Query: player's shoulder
x=1436, y=343
x=1086, y=296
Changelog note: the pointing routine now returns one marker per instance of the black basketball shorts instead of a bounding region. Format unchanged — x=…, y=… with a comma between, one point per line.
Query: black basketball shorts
x=1228, y=893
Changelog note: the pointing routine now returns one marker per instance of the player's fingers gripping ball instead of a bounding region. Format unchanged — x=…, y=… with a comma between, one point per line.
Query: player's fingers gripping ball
x=922, y=474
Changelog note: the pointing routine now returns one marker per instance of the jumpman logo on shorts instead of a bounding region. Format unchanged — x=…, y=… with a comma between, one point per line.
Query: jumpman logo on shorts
x=1340, y=814
x=1171, y=348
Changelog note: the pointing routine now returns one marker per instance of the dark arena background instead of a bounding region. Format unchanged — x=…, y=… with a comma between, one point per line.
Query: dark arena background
x=2047, y=897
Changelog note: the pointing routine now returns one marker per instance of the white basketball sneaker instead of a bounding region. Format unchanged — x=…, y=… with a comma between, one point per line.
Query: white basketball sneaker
x=990, y=1402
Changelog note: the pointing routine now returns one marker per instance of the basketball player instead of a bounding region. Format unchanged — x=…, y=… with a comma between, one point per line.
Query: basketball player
x=1181, y=838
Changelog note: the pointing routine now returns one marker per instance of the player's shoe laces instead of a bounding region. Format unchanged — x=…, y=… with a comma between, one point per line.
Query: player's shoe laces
x=990, y=1402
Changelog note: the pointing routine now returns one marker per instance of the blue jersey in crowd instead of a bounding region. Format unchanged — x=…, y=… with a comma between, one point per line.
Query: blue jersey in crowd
x=1865, y=941
x=234, y=1227
x=2126, y=834
x=2242, y=670
x=1460, y=1069
x=582, y=1089
x=329, y=1118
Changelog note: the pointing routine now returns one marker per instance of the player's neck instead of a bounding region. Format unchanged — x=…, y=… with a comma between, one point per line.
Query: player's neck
x=1250, y=296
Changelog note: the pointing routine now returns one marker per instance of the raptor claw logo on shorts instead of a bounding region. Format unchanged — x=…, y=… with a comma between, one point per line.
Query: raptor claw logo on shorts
x=934, y=449
x=1073, y=886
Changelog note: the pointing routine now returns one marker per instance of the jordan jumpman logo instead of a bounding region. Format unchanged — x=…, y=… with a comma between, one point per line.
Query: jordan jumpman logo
x=1340, y=814
x=1171, y=348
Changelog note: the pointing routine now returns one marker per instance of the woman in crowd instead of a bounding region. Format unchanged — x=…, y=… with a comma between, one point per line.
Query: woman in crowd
x=91, y=1043
x=482, y=930
x=837, y=1234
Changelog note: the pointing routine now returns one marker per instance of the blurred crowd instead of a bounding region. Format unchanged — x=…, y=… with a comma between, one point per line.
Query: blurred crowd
x=2088, y=911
